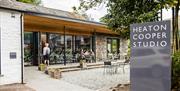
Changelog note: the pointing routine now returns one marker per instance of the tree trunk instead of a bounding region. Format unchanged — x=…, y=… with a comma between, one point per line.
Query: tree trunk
x=176, y=27
x=173, y=30
x=176, y=45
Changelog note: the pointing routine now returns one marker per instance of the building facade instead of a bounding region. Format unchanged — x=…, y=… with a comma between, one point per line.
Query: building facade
x=25, y=28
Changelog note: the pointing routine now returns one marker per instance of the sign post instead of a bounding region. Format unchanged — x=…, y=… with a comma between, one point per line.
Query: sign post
x=150, y=68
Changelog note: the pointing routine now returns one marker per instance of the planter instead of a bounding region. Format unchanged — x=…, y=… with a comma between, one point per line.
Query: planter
x=42, y=67
x=55, y=73
x=83, y=64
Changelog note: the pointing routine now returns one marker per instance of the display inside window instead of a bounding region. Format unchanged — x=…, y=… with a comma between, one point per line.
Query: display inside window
x=28, y=46
x=112, y=48
x=56, y=44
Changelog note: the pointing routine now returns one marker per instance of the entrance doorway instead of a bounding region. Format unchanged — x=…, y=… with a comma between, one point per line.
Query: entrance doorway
x=31, y=48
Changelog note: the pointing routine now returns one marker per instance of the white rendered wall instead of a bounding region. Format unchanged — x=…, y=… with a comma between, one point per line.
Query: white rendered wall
x=10, y=30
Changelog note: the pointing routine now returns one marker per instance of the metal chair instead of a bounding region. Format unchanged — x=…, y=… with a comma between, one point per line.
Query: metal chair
x=107, y=67
x=123, y=64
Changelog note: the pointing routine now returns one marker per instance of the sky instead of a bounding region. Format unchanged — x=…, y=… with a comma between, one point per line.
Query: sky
x=67, y=5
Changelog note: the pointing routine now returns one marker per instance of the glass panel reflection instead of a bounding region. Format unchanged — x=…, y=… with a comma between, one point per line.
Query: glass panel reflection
x=69, y=50
x=56, y=44
x=28, y=46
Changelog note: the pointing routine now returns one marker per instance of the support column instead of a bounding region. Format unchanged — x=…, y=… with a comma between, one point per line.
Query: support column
x=94, y=43
x=64, y=45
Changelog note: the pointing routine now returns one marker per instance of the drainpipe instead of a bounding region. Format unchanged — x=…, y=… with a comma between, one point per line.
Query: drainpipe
x=22, y=49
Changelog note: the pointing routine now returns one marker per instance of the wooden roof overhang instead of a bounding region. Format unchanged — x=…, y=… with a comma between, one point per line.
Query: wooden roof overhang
x=37, y=23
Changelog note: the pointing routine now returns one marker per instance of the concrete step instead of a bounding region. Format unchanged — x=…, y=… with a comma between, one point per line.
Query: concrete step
x=72, y=69
x=76, y=67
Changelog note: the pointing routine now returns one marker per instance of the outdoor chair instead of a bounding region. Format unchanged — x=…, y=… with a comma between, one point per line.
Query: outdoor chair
x=109, y=67
x=123, y=64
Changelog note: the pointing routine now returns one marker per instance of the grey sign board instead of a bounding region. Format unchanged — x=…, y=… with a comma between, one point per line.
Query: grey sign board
x=12, y=55
x=150, y=67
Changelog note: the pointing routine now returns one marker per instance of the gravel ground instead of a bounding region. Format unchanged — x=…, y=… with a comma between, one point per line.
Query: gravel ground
x=96, y=79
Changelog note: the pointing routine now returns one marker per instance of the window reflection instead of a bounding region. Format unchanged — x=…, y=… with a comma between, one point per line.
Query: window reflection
x=83, y=42
x=112, y=48
x=56, y=44
x=69, y=50
x=28, y=46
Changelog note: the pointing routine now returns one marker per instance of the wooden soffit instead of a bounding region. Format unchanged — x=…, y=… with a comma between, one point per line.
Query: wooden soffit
x=43, y=24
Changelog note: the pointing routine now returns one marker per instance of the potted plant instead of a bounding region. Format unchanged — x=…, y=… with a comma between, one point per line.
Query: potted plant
x=82, y=62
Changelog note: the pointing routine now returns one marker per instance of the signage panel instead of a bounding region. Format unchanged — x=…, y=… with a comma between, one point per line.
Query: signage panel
x=150, y=67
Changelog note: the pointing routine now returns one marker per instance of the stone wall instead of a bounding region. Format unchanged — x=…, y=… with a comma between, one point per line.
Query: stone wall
x=10, y=31
x=123, y=48
x=101, y=47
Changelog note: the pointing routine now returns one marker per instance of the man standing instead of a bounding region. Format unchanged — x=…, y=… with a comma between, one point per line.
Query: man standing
x=46, y=52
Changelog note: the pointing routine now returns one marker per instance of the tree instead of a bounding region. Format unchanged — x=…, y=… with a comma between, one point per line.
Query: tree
x=35, y=2
x=122, y=13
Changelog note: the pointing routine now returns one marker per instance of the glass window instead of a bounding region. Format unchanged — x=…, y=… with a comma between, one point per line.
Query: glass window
x=56, y=44
x=83, y=42
x=69, y=50
x=28, y=48
x=112, y=47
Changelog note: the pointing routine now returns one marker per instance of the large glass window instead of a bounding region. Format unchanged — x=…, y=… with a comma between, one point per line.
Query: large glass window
x=56, y=44
x=69, y=48
x=28, y=46
x=112, y=47
x=83, y=42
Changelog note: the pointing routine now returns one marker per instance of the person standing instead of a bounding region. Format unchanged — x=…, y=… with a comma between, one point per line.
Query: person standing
x=46, y=53
x=92, y=56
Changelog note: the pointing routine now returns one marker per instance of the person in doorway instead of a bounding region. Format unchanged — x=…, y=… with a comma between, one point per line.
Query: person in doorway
x=46, y=53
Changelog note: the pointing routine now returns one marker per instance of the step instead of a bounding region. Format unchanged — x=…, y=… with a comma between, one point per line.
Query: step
x=77, y=69
x=93, y=67
x=94, y=64
x=69, y=70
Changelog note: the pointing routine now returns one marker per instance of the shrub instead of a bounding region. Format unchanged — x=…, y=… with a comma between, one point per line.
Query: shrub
x=176, y=71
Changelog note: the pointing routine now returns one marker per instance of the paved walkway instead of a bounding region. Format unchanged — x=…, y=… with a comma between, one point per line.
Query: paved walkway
x=96, y=79
x=85, y=80
x=42, y=82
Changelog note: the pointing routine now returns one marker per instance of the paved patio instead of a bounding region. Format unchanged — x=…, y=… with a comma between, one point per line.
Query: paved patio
x=15, y=87
x=85, y=80
x=95, y=79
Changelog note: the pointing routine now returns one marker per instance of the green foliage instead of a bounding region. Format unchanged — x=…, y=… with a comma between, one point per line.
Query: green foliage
x=176, y=71
x=122, y=13
x=27, y=55
x=35, y=2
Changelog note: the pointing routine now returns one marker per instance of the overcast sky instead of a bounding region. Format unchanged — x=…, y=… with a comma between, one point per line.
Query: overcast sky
x=67, y=5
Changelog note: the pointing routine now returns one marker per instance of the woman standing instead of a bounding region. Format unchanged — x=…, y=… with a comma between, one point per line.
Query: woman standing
x=46, y=52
